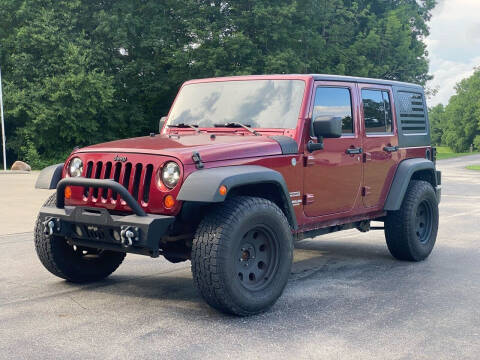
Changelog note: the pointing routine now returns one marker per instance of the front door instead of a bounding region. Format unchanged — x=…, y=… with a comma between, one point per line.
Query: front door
x=333, y=176
x=380, y=143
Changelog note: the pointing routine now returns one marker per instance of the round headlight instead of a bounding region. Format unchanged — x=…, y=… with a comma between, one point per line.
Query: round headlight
x=170, y=174
x=75, y=168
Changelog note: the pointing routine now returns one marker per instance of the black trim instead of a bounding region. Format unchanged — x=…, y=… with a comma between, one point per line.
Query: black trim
x=98, y=183
x=287, y=144
x=95, y=227
x=203, y=185
x=402, y=178
x=49, y=177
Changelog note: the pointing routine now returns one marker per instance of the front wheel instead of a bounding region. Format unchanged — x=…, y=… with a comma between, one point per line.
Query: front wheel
x=242, y=255
x=411, y=232
x=72, y=263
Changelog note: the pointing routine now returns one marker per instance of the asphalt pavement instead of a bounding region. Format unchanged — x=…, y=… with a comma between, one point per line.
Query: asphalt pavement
x=347, y=298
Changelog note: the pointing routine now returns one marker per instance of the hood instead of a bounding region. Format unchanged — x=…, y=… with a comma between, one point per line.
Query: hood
x=210, y=147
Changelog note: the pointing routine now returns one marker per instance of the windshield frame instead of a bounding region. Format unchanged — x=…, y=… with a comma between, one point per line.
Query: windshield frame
x=303, y=109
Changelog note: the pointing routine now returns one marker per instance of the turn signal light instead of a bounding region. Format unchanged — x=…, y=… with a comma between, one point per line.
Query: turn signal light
x=222, y=190
x=68, y=192
x=169, y=201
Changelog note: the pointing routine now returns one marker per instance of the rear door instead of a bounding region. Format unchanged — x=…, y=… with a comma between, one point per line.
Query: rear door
x=380, y=143
x=333, y=175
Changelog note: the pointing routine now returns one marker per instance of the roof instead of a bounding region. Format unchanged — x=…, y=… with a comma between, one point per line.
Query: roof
x=304, y=77
x=327, y=77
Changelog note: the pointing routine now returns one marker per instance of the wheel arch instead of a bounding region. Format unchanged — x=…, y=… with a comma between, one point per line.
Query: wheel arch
x=202, y=186
x=49, y=177
x=407, y=170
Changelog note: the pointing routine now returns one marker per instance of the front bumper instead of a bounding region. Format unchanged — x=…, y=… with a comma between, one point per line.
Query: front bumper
x=95, y=227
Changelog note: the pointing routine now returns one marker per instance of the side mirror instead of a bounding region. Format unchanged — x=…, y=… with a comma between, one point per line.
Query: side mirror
x=325, y=127
x=161, y=123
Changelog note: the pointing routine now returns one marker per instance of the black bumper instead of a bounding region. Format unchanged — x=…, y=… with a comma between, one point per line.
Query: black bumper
x=95, y=227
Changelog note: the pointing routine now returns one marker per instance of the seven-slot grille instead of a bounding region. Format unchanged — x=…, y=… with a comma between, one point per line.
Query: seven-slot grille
x=137, y=178
x=412, y=112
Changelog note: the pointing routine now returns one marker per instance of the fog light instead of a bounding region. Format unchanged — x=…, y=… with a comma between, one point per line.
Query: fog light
x=169, y=201
x=68, y=192
x=116, y=235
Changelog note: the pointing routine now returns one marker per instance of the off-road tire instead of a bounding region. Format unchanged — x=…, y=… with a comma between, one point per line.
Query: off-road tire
x=406, y=238
x=64, y=261
x=217, y=254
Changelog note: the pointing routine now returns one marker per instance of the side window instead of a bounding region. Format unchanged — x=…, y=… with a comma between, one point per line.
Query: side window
x=377, y=111
x=334, y=102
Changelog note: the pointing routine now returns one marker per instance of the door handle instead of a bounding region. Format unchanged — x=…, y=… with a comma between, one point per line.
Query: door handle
x=354, y=151
x=390, y=148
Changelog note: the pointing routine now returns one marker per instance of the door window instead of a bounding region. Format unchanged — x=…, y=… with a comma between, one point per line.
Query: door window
x=377, y=111
x=334, y=102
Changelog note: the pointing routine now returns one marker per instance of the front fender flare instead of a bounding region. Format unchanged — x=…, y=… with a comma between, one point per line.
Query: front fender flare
x=49, y=177
x=203, y=185
x=403, y=175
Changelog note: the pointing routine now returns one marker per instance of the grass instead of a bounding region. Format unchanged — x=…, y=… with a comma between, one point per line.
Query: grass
x=474, y=167
x=444, y=152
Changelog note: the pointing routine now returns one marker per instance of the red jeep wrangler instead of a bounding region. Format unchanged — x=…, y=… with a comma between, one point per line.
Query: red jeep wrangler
x=242, y=167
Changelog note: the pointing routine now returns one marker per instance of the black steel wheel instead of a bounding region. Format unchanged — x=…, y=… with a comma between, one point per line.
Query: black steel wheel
x=242, y=254
x=257, y=258
x=70, y=262
x=411, y=232
x=424, y=221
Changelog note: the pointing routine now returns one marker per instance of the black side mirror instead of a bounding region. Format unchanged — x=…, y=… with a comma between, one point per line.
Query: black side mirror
x=325, y=127
x=161, y=123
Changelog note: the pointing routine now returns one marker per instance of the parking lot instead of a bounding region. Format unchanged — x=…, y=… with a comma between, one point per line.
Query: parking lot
x=347, y=298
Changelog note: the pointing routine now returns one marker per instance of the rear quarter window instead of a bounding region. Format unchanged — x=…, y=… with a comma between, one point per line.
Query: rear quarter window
x=377, y=111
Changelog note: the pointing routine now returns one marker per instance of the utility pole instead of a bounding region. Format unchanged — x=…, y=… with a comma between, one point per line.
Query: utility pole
x=3, y=124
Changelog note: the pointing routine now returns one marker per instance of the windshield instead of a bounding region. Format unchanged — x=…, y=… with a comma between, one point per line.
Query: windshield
x=255, y=103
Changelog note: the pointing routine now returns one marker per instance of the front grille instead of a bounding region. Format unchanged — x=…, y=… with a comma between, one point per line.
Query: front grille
x=137, y=178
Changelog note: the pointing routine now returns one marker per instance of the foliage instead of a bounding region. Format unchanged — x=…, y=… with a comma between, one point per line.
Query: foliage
x=438, y=121
x=78, y=72
x=458, y=124
x=444, y=152
x=474, y=167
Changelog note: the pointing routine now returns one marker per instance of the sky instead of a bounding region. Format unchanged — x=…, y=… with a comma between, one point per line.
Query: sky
x=453, y=45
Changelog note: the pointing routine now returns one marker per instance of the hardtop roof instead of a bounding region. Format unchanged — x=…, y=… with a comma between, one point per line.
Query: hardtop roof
x=327, y=77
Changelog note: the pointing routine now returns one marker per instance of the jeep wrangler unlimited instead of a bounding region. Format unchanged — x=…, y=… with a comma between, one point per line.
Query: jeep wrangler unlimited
x=242, y=167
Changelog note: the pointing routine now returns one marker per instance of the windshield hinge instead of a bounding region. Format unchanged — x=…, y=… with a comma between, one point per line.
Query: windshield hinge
x=197, y=160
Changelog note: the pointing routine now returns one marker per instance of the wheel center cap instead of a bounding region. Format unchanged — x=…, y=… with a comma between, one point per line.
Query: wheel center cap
x=247, y=253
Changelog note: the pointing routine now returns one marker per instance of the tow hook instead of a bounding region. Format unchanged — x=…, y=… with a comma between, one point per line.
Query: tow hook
x=128, y=235
x=51, y=225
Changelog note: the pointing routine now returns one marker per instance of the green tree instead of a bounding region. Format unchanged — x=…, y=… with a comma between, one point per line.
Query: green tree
x=463, y=115
x=438, y=123
x=77, y=72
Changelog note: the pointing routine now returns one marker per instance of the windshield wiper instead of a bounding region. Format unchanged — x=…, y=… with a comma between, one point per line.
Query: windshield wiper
x=183, y=125
x=237, y=124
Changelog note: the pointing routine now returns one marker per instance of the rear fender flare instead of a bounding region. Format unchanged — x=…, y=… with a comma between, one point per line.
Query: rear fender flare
x=405, y=170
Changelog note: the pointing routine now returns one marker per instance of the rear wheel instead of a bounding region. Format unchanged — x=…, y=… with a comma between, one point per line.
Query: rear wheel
x=75, y=264
x=242, y=255
x=411, y=232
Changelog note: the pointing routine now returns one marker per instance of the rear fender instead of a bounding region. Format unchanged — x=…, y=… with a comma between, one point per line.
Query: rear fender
x=422, y=169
